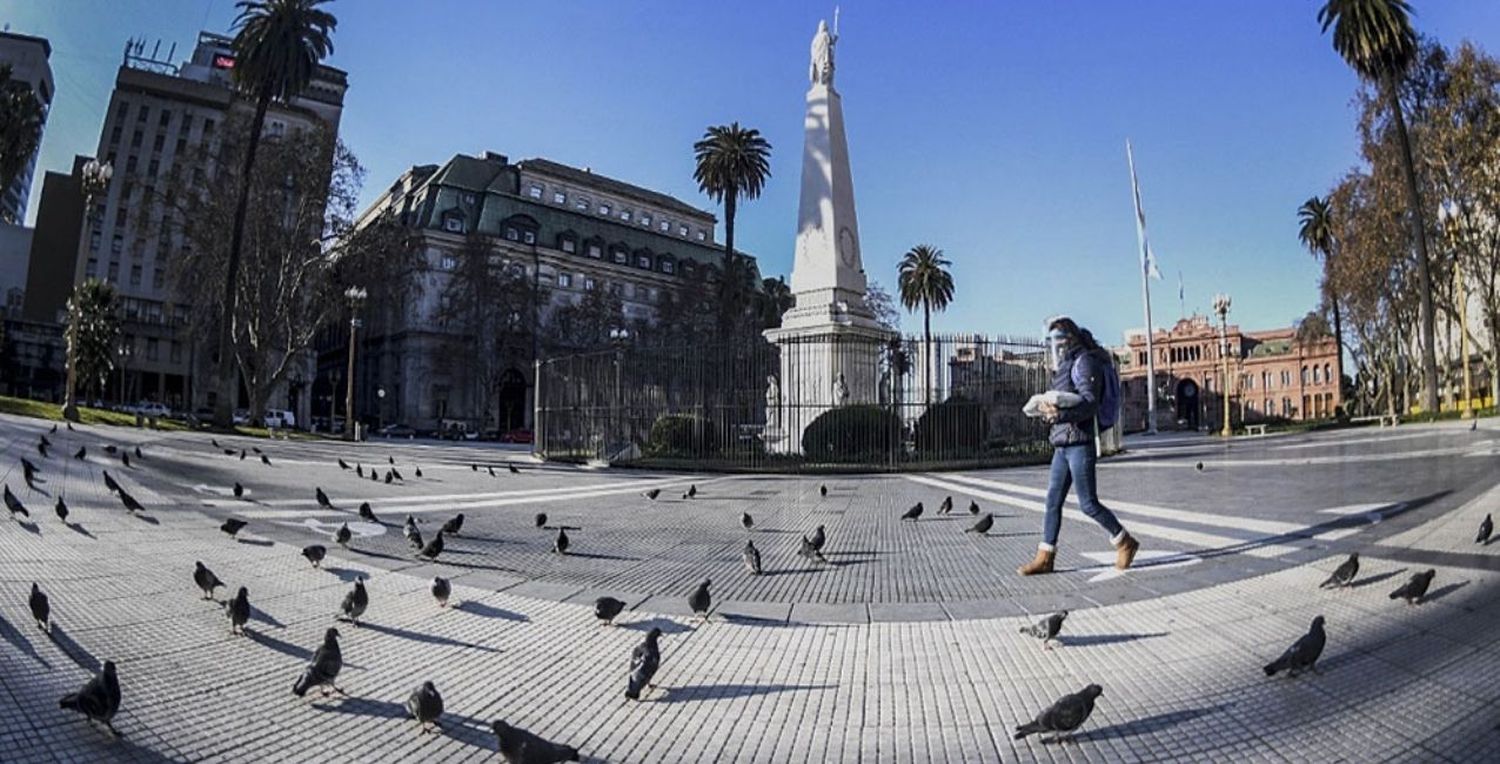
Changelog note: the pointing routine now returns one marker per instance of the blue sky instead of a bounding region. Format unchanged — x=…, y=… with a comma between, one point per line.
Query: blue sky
x=995, y=131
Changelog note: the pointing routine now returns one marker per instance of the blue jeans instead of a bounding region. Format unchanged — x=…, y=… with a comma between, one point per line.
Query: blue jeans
x=1074, y=466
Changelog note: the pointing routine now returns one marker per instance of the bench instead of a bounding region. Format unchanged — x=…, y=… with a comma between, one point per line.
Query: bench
x=1255, y=429
x=1381, y=418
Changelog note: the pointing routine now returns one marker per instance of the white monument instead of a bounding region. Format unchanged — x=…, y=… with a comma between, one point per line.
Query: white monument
x=830, y=342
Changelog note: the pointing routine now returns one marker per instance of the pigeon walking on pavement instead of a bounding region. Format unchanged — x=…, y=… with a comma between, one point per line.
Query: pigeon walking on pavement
x=42, y=447
x=983, y=526
x=233, y=527
x=129, y=502
x=206, y=580
x=425, y=705
x=1046, y=629
x=343, y=465
x=41, y=610
x=138, y=453
x=82, y=453
x=751, y=556
x=808, y=549
x=818, y=539
x=367, y=514
x=1303, y=654
x=517, y=746
x=238, y=610
x=540, y=520
x=913, y=513
x=355, y=602
x=99, y=699
x=652, y=494
x=441, y=590
x=1344, y=574
x=946, y=506
x=359, y=469
x=973, y=507
x=1416, y=588
x=14, y=504
x=342, y=536
x=1063, y=717
x=388, y=477
x=692, y=492
x=700, y=602
x=324, y=667
x=454, y=524
x=125, y=458
x=1485, y=529
x=239, y=490
x=746, y=521
x=61, y=508
x=322, y=498
x=512, y=469
x=109, y=482
x=315, y=554
x=433, y=547
x=560, y=544
x=606, y=609
x=823, y=491
x=266, y=460
x=645, y=660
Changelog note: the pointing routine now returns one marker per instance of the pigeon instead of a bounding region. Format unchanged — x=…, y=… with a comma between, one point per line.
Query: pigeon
x=818, y=538
x=138, y=453
x=419, y=471
x=973, y=507
x=1485, y=529
x=1198, y=466
x=645, y=659
x=322, y=498
x=414, y=538
x=491, y=469
x=512, y=469
x=70, y=427
x=343, y=465
x=1303, y=654
x=81, y=453
x=359, y=469
x=810, y=550
x=473, y=467
x=541, y=519
x=42, y=439
x=242, y=454
x=54, y=429
x=28, y=470
x=433, y=548
x=367, y=514
x=232, y=526
x=747, y=521
x=239, y=490
x=324, y=667
x=692, y=491
x=946, y=506
x=913, y=513
x=130, y=503
x=111, y=450
x=215, y=442
x=454, y=525
x=41, y=611
x=125, y=458
x=61, y=508
x=238, y=610
x=606, y=609
x=1343, y=575
x=1047, y=628
x=14, y=505
x=388, y=477
x=700, y=601
x=983, y=526
x=110, y=483
x=355, y=602
x=425, y=705
x=229, y=452
x=342, y=536
x=315, y=554
x=256, y=449
x=652, y=494
x=409, y=527
x=517, y=746
x=266, y=460
x=560, y=545
x=99, y=699
x=391, y=459
x=206, y=580
x=751, y=556
x=1066, y=715
x=823, y=491
x=441, y=590
x=42, y=447
x=374, y=478
x=1414, y=590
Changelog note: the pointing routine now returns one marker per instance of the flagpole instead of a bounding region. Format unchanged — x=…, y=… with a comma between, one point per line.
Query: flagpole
x=1146, y=296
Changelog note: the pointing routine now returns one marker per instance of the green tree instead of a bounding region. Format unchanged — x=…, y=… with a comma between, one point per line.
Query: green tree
x=883, y=306
x=1376, y=39
x=92, y=335
x=21, y=117
x=278, y=46
x=1315, y=230
x=731, y=162
x=925, y=282
x=774, y=299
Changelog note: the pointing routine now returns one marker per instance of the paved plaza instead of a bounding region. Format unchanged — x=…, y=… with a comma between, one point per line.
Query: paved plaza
x=903, y=648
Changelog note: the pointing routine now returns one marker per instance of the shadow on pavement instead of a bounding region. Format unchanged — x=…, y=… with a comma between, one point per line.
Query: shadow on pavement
x=348, y=575
x=11, y=634
x=285, y=648
x=78, y=653
x=590, y=556
x=417, y=636
x=666, y=625
x=1441, y=592
x=30, y=527
x=256, y=542
x=1088, y=640
x=256, y=614
x=1150, y=724
x=724, y=691
x=76, y=528
x=489, y=611
x=1375, y=579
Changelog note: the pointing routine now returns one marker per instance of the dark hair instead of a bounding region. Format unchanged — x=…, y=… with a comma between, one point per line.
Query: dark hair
x=1075, y=333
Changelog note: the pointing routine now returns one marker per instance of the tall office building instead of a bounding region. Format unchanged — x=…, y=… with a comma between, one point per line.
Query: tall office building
x=27, y=58
x=159, y=114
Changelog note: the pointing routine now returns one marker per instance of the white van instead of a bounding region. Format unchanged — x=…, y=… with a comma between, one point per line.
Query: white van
x=277, y=419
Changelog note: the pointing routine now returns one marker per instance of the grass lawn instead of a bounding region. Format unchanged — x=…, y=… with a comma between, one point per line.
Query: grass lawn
x=53, y=411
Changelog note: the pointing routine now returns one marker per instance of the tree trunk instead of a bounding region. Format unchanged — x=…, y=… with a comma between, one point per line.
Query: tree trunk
x=927, y=363
x=726, y=293
x=1419, y=238
x=1338, y=341
x=228, y=379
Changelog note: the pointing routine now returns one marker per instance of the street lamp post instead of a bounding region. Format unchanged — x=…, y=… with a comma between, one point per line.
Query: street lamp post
x=1221, y=307
x=95, y=181
x=356, y=297
x=619, y=337
x=1450, y=217
x=125, y=352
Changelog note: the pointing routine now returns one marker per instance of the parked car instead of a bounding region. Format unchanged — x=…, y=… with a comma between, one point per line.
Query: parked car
x=280, y=419
x=151, y=408
x=241, y=416
x=457, y=429
x=516, y=436
x=397, y=431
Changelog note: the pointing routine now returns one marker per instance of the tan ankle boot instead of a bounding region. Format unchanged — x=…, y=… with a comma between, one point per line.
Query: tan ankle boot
x=1125, y=551
x=1042, y=563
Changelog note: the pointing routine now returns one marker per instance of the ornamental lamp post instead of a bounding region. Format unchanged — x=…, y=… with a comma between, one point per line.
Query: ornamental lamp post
x=94, y=179
x=1221, y=307
x=356, y=296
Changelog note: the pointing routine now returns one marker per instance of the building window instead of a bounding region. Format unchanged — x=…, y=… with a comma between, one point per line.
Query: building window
x=181, y=146
x=581, y=204
x=468, y=198
x=1286, y=378
x=176, y=351
x=565, y=280
x=646, y=219
x=588, y=283
x=535, y=191
x=625, y=215
x=448, y=262
x=117, y=244
x=667, y=265
x=687, y=270
x=568, y=244
x=92, y=269
x=511, y=234
x=1304, y=375
x=1327, y=373
x=595, y=250
x=619, y=256
x=135, y=139
x=528, y=236
x=643, y=261
x=187, y=124
x=114, y=136
x=702, y=235
x=682, y=231
x=140, y=116
x=208, y=128
x=135, y=275
x=122, y=112
x=94, y=239
x=604, y=209
x=114, y=270
x=159, y=144
x=666, y=226
x=153, y=168
x=129, y=167
x=156, y=278
x=153, y=348
x=453, y=223
x=1317, y=375
x=559, y=197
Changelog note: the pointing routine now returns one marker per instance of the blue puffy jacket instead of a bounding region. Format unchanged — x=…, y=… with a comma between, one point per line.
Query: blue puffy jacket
x=1080, y=372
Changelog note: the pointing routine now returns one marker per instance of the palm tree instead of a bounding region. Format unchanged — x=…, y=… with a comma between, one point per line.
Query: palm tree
x=732, y=162
x=278, y=46
x=21, y=117
x=1316, y=233
x=1376, y=39
x=926, y=282
x=91, y=334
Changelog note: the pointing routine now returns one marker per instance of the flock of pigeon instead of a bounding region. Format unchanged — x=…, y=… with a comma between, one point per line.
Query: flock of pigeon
x=100, y=697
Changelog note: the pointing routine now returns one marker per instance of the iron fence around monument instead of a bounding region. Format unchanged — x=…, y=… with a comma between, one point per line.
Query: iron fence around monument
x=820, y=403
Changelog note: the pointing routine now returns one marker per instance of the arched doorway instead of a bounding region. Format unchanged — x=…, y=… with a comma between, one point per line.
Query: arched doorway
x=512, y=395
x=1186, y=399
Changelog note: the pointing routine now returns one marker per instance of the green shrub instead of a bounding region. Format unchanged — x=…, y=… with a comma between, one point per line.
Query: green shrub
x=852, y=433
x=953, y=427
x=681, y=435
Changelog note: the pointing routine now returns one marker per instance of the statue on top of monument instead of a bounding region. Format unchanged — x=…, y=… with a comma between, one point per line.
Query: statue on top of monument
x=821, y=69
